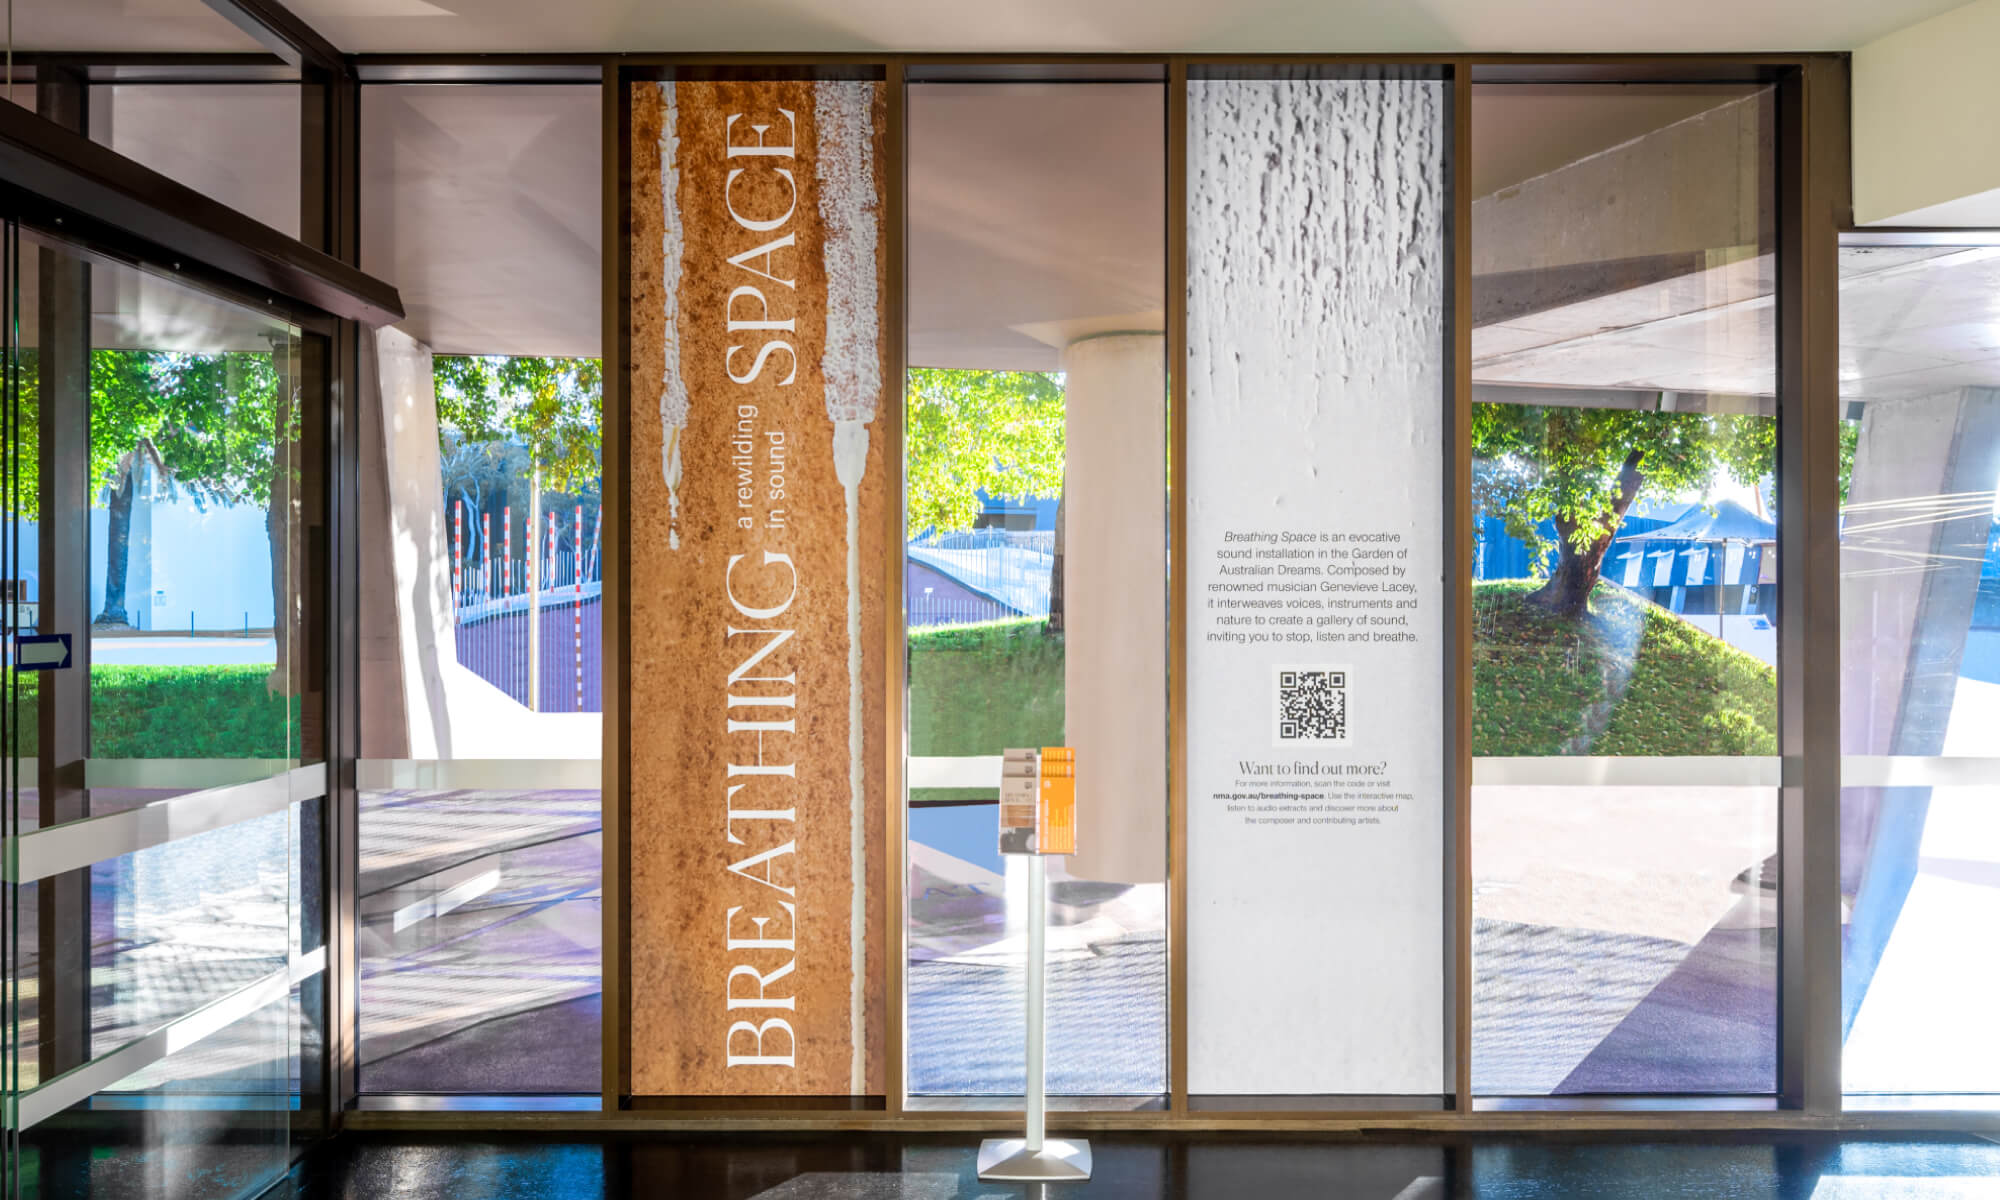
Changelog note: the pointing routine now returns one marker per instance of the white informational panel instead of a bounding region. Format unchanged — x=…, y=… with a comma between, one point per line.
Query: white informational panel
x=1316, y=255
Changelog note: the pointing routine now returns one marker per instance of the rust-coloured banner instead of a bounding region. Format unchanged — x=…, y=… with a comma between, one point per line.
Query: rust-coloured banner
x=758, y=526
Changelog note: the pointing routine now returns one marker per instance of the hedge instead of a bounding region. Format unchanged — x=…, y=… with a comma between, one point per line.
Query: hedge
x=176, y=712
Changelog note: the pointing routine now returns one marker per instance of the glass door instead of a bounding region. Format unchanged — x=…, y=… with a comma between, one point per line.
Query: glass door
x=163, y=776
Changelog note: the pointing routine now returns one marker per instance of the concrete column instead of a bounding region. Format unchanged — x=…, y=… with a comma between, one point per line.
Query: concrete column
x=1918, y=511
x=1919, y=508
x=1115, y=602
x=408, y=637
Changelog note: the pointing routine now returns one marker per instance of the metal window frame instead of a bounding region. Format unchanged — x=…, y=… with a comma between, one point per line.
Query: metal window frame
x=1808, y=84
x=1813, y=211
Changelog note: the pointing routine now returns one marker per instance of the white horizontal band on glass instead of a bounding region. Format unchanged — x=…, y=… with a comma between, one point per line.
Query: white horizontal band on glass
x=479, y=774
x=77, y=844
x=981, y=771
x=1622, y=771
x=185, y=774
x=1917, y=770
x=74, y=1086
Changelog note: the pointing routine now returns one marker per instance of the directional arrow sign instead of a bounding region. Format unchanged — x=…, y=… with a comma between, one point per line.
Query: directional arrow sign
x=41, y=652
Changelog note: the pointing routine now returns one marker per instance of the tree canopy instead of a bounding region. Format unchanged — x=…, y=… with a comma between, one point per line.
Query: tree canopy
x=1582, y=469
x=552, y=406
x=205, y=421
x=209, y=421
x=966, y=432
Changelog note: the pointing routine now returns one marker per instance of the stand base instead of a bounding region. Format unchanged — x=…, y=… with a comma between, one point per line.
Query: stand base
x=1010, y=1159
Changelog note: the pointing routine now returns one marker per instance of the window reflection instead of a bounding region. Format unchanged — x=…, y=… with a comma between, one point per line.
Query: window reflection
x=1920, y=665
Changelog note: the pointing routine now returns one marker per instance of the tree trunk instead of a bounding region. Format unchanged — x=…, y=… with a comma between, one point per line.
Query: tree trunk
x=1056, y=568
x=1567, y=592
x=287, y=677
x=118, y=547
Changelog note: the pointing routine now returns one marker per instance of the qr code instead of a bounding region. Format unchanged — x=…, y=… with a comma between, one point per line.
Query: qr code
x=1312, y=706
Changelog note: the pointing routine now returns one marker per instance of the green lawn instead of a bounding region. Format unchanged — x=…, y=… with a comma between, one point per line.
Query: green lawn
x=176, y=712
x=980, y=689
x=1632, y=679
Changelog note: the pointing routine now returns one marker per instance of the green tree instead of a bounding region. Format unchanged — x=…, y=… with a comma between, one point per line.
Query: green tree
x=998, y=432
x=553, y=407
x=964, y=432
x=214, y=425
x=1583, y=468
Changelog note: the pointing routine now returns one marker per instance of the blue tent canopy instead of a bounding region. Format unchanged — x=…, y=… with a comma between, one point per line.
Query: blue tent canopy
x=1728, y=521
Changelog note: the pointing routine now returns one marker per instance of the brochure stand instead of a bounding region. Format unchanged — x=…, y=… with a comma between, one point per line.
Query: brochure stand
x=1034, y=1157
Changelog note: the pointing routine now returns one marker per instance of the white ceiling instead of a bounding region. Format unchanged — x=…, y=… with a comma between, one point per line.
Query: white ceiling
x=1037, y=216
x=1298, y=26
x=127, y=25
x=481, y=204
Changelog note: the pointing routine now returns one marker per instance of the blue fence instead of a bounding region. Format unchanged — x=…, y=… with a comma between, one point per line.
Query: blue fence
x=491, y=602
x=979, y=575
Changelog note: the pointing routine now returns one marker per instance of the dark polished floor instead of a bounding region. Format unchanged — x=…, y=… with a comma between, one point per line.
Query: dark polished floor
x=1194, y=1167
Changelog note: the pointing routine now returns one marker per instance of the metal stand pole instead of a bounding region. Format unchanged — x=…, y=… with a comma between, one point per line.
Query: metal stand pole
x=1038, y=1008
x=1033, y=1157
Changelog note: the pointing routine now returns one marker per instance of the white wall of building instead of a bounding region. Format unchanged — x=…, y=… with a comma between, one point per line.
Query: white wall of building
x=1924, y=110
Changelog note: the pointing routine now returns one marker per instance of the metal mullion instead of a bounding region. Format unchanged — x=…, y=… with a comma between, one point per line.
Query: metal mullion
x=281, y=31
x=329, y=200
x=1458, y=775
x=1811, y=205
x=895, y=724
x=63, y=933
x=614, y=628
x=1177, y=584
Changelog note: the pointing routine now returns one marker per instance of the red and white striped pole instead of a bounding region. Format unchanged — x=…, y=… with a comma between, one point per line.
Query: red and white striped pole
x=555, y=544
x=576, y=605
x=457, y=553
x=534, y=613
x=597, y=545
x=507, y=550
x=486, y=554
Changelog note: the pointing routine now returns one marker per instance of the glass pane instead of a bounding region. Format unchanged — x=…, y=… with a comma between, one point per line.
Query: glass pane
x=161, y=537
x=1920, y=665
x=155, y=448
x=235, y=143
x=211, y=1121
x=479, y=897
x=1619, y=943
x=481, y=917
x=179, y=925
x=1035, y=460
x=1624, y=520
